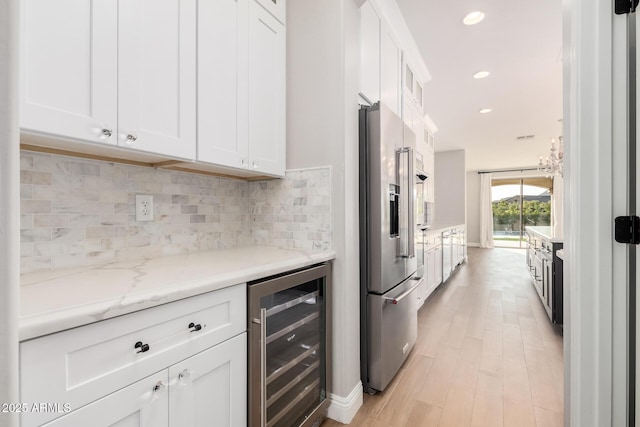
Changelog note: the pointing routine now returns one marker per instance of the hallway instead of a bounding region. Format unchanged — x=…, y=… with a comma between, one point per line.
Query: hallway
x=487, y=355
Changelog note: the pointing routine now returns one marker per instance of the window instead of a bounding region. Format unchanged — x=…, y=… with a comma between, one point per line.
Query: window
x=518, y=203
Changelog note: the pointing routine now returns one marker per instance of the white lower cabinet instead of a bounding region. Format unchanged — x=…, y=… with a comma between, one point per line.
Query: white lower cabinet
x=119, y=371
x=144, y=403
x=206, y=389
x=210, y=387
x=433, y=265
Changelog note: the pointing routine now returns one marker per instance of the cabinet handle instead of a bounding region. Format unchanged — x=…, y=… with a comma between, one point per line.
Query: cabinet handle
x=194, y=327
x=107, y=132
x=263, y=366
x=131, y=139
x=160, y=385
x=184, y=375
x=142, y=348
x=243, y=162
x=255, y=165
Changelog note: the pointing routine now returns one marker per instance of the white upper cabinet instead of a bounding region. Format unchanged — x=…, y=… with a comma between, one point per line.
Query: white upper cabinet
x=107, y=71
x=369, y=53
x=390, y=73
x=156, y=76
x=182, y=79
x=241, y=85
x=277, y=8
x=267, y=91
x=222, y=92
x=412, y=88
x=68, y=57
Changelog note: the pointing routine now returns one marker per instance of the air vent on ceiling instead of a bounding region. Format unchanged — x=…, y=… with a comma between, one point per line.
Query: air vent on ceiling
x=524, y=137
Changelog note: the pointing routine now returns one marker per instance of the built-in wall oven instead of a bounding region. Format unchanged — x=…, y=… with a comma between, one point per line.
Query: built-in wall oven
x=289, y=337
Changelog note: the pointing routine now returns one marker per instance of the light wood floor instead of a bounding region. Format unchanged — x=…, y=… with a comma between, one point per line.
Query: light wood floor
x=487, y=355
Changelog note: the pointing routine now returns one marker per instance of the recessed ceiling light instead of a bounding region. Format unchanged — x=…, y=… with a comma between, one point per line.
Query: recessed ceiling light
x=473, y=18
x=481, y=74
x=485, y=110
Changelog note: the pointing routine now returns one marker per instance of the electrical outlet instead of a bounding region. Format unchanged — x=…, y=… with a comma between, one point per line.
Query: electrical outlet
x=144, y=207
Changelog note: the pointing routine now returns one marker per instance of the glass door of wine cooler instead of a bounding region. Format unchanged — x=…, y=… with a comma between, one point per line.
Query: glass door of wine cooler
x=288, y=349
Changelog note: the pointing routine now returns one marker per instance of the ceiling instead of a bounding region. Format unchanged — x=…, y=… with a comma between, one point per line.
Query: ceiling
x=520, y=43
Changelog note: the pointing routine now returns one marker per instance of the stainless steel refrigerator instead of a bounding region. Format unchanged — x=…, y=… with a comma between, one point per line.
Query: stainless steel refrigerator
x=387, y=251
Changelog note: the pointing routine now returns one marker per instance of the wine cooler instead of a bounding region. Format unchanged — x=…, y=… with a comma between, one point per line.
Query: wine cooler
x=289, y=335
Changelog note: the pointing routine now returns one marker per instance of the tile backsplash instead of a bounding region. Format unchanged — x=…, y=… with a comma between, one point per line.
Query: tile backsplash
x=77, y=212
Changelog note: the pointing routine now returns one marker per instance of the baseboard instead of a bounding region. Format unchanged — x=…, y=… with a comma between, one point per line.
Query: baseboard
x=343, y=409
x=473, y=245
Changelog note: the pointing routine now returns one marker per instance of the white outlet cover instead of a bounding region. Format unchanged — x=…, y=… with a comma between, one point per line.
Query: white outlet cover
x=144, y=207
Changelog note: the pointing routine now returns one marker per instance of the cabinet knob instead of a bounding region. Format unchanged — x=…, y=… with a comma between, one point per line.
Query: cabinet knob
x=195, y=327
x=243, y=162
x=106, y=132
x=184, y=375
x=131, y=139
x=255, y=165
x=160, y=385
x=142, y=348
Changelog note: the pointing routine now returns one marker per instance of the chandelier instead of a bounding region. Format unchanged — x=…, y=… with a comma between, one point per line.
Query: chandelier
x=553, y=163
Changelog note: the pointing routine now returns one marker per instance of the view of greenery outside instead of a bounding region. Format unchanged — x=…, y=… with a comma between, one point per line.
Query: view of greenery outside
x=506, y=215
x=508, y=198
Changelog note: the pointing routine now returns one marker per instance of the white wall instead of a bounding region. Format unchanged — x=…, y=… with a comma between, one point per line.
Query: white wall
x=450, y=188
x=9, y=209
x=473, y=208
x=322, y=129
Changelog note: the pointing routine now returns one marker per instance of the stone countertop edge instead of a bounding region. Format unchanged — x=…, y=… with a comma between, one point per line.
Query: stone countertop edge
x=439, y=228
x=544, y=231
x=57, y=300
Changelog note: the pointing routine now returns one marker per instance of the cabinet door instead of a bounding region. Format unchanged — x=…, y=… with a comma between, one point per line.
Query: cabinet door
x=68, y=76
x=142, y=404
x=369, y=52
x=210, y=387
x=222, y=90
x=391, y=63
x=157, y=76
x=267, y=91
x=438, y=265
x=431, y=269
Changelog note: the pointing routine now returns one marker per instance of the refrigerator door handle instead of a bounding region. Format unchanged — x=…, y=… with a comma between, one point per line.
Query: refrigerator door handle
x=399, y=298
x=404, y=162
x=411, y=214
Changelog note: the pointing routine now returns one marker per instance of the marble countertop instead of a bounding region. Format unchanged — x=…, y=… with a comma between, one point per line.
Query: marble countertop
x=52, y=301
x=438, y=228
x=544, y=231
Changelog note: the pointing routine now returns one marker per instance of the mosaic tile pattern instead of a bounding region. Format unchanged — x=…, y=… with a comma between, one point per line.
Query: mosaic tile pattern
x=78, y=212
x=294, y=213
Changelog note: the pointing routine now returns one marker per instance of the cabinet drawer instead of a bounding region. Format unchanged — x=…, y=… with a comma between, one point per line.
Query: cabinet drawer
x=80, y=365
x=278, y=8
